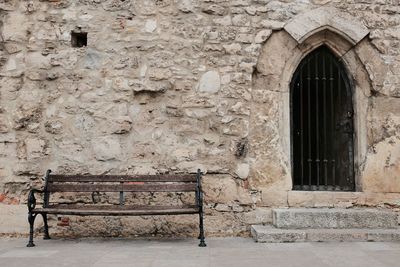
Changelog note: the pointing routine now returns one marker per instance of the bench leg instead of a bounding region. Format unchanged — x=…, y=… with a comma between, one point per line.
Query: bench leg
x=31, y=220
x=201, y=226
x=46, y=227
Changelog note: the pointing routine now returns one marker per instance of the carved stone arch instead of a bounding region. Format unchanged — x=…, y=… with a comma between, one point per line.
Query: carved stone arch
x=278, y=60
x=326, y=18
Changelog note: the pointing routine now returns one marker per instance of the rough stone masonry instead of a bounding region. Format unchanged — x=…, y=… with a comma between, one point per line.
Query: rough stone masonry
x=176, y=85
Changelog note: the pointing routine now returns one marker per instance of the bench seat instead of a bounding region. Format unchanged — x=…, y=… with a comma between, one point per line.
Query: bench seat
x=117, y=210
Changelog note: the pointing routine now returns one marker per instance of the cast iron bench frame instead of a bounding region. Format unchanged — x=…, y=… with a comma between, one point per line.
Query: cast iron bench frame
x=120, y=183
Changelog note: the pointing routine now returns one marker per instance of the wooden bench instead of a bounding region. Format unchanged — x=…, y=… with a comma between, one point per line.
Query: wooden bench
x=54, y=183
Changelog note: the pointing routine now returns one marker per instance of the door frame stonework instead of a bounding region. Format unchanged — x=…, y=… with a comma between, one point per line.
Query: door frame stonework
x=270, y=118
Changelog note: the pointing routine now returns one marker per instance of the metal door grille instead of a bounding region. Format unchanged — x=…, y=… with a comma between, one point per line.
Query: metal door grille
x=322, y=124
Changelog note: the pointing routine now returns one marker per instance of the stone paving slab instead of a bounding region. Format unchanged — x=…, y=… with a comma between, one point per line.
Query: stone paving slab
x=185, y=252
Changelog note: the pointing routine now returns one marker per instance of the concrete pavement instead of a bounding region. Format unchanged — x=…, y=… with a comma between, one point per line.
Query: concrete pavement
x=185, y=252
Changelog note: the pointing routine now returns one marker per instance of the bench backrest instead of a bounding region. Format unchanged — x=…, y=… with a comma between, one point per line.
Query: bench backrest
x=122, y=183
x=126, y=183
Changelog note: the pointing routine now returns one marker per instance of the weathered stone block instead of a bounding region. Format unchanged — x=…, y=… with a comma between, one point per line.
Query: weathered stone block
x=159, y=74
x=187, y=6
x=106, y=148
x=93, y=59
x=300, y=199
x=307, y=23
x=267, y=234
x=273, y=197
x=54, y=127
x=333, y=218
x=224, y=190
x=384, y=162
x=151, y=87
x=121, y=125
x=262, y=36
x=35, y=148
x=210, y=82
x=258, y=216
x=242, y=170
x=213, y=9
x=15, y=27
x=4, y=124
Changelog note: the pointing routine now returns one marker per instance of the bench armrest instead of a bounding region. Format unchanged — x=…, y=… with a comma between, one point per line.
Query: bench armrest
x=32, y=199
x=199, y=191
x=201, y=199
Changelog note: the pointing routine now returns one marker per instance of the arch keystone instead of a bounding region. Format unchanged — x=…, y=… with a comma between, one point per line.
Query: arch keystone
x=326, y=18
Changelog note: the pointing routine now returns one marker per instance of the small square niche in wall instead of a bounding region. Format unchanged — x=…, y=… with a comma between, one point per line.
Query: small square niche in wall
x=78, y=39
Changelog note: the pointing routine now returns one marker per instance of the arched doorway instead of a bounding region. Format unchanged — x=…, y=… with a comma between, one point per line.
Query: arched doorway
x=322, y=124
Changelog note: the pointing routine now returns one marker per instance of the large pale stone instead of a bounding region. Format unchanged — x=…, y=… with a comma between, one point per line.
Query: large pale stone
x=242, y=170
x=151, y=87
x=37, y=60
x=375, y=66
x=258, y=216
x=210, y=82
x=159, y=74
x=274, y=197
x=186, y=6
x=224, y=190
x=234, y=48
x=385, y=162
x=272, y=24
x=35, y=148
x=6, y=149
x=150, y=25
x=106, y=148
x=262, y=36
x=15, y=27
x=14, y=64
x=4, y=124
x=183, y=154
x=122, y=125
x=300, y=198
x=273, y=64
x=214, y=9
x=93, y=59
x=268, y=234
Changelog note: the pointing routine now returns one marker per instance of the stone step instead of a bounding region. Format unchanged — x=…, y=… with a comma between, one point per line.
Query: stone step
x=271, y=234
x=315, y=218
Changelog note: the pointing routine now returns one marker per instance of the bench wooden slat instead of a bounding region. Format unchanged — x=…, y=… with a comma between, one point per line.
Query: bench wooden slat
x=96, y=212
x=124, y=178
x=121, y=187
x=117, y=207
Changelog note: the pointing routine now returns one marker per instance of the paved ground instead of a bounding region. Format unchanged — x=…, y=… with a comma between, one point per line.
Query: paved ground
x=220, y=252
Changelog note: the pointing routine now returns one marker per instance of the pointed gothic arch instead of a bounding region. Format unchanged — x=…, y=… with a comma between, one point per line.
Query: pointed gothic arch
x=321, y=116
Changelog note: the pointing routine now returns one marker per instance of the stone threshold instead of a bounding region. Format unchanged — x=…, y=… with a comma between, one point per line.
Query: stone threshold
x=273, y=197
x=271, y=234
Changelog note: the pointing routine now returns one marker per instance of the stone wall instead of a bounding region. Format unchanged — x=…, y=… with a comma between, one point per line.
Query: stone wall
x=176, y=85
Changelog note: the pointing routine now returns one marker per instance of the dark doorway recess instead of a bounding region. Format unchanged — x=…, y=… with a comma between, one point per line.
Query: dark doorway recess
x=322, y=124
